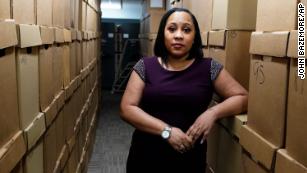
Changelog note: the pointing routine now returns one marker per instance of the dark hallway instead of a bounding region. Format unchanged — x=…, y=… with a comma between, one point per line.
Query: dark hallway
x=113, y=138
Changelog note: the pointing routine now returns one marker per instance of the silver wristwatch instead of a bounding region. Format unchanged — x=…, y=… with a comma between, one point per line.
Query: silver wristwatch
x=166, y=133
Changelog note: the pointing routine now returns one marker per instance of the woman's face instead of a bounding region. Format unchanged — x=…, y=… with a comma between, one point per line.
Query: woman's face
x=179, y=34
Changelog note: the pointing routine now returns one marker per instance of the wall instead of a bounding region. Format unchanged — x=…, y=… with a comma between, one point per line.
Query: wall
x=130, y=10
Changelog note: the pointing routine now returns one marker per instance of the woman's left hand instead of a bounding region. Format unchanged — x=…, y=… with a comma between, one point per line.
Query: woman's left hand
x=202, y=126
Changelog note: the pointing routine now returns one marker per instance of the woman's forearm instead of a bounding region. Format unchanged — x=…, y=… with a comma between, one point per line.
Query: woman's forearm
x=231, y=106
x=142, y=120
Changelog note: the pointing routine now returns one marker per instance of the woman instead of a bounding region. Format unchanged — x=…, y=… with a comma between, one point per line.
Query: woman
x=167, y=96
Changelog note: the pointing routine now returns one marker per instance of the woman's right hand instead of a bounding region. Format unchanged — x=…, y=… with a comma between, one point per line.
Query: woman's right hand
x=180, y=141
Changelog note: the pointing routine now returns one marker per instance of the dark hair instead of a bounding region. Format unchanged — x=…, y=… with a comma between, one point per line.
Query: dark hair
x=160, y=48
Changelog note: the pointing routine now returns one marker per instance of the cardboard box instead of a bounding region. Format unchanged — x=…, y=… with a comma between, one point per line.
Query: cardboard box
x=59, y=35
x=75, y=13
x=73, y=161
x=82, y=16
x=296, y=120
x=231, y=48
x=64, y=156
x=202, y=10
x=79, y=57
x=28, y=92
x=50, y=155
x=73, y=59
x=84, y=54
x=206, y=52
x=204, y=38
x=152, y=22
x=58, y=73
x=18, y=168
x=9, y=34
x=276, y=15
x=60, y=136
x=260, y=43
x=5, y=9
x=217, y=38
x=57, y=168
x=8, y=86
x=60, y=99
x=46, y=90
x=250, y=166
x=12, y=152
x=229, y=154
x=66, y=65
x=292, y=44
x=44, y=12
x=68, y=91
x=212, y=146
x=47, y=35
x=58, y=11
x=73, y=34
x=234, y=124
x=8, y=93
x=261, y=149
x=218, y=54
x=268, y=89
x=234, y=14
x=68, y=119
x=29, y=35
x=67, y=13
x=285, y=163
x=24, y=11
x=51, y=112
x=35, y=130
x=91, y=21
x=67, y=35
x=34, y=161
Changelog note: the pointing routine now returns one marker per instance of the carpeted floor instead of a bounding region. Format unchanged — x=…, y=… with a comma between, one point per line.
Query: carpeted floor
x=113, y=138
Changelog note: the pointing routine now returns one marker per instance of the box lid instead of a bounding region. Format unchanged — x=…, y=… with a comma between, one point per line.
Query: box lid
x=47, y=35
x=60, y=99
x=8, y=34
x=234, y=124
x=285, y=163
x=84, y=35
x=79, y=35
x=251, y=166
x=35, y=130
x=59, y=35
x=12, y=153
x=50, y=113
x=29, y=35
x=67, y=35
x=73, y=34
x=217, y=38
x=261, y=149
x=270, y=43
x=292, y=46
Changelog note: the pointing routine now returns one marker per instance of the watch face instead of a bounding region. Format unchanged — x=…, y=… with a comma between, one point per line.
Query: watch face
x=165, y=134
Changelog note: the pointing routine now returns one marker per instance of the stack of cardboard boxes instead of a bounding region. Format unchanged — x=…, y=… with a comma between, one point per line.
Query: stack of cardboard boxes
x=44, y=73
x=274, y=137
x=228, y=42
x=152, y=12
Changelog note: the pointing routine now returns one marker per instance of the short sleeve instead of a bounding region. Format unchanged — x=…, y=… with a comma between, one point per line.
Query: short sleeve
x=215, y=70
x=139, y=68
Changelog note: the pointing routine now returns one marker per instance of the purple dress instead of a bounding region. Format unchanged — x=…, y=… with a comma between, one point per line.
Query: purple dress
x=177, y=98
